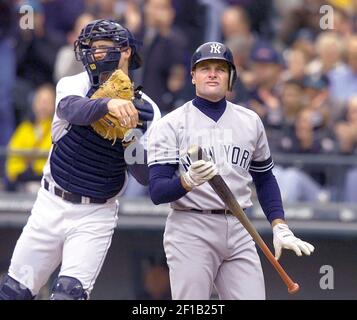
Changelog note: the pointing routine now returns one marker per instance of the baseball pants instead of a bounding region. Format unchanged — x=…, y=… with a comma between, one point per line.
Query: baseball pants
x=79, y=235
x=204, y=251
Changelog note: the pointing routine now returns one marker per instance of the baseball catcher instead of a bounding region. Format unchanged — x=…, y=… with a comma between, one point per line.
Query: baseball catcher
x=75, y=213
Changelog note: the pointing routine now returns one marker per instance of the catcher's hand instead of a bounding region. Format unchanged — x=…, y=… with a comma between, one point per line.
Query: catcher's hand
x=125, y=112
x=122, y=114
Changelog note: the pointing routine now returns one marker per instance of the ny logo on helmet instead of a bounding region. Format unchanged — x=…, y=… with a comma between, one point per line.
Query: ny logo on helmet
x=215, y=48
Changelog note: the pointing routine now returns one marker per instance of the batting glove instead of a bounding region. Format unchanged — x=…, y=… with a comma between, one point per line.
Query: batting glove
x=284, y=238
x=199, y=172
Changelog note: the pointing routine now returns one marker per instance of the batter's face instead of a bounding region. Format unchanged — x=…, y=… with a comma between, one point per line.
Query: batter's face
x=211, y=79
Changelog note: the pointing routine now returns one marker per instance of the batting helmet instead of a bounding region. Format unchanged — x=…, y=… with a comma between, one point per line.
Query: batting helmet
x=105, y=30
x=215, y=51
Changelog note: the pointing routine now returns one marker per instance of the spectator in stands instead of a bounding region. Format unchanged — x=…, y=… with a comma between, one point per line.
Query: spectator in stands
x=282, y=113
x=316, y=91
x=282, y=119
x=235, y=25
x=66, y=63
x=131, y=15
x=346, y=131
x=311, y=135
x=33, y=136
x=7, y=74
x=267, y=65
x=240, y=50
x=164, y=71
x=213, y=12
x=37, y=49
x=344, y=79
x=298, y=125
x=36, y=53
x=305, y=42
x=297, y=186
x=296, y=62
x=329, y=48
x=61, y=16
x=306, y=183
x=260, y=13
x=106, y=9
x=306, y=16
x=342, y=20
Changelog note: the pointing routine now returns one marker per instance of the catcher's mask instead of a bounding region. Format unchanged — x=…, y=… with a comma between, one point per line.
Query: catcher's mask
x=215, y=51
x=105, y=30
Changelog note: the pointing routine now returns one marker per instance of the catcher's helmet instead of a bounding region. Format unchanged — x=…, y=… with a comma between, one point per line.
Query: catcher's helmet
x=215, y=51
x=105, y=30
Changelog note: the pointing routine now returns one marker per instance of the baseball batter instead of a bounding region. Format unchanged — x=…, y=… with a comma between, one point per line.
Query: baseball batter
x=205, y=245
x=75, y=213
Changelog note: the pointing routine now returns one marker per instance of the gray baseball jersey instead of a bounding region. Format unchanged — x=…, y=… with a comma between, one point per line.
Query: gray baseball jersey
x=237, y=143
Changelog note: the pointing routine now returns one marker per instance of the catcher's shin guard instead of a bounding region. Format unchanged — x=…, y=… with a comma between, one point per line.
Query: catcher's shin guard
x=10, y=289
x=68, y=288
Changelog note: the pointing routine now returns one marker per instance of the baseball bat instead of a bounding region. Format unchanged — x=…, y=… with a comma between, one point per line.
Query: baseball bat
x=223, y=191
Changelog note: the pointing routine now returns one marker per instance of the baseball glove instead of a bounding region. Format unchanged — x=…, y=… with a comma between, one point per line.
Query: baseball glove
x=117, y=86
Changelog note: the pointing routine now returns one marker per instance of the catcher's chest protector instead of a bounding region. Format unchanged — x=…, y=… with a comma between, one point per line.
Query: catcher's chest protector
x=84, y=163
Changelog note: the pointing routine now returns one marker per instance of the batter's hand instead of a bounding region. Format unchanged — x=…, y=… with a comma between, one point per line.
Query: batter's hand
x=199, y=172
x=283, y=237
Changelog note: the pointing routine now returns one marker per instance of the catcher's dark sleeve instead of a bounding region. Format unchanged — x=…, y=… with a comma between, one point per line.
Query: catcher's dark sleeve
x=82, y=110
x=146, y=113
x=268, y=194
x=164, y=185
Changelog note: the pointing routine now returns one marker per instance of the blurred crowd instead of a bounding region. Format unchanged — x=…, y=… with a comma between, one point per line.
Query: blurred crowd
x=296, y=60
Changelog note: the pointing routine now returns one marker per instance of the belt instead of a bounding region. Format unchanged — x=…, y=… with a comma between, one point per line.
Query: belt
x=71, y=197
x=218, y=211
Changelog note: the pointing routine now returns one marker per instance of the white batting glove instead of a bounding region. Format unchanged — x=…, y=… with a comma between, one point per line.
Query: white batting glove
x=199, y=172
x=283, y=237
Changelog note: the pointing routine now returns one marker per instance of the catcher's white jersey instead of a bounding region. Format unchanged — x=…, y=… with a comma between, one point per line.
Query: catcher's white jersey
x=79, y=85
x=237, y=143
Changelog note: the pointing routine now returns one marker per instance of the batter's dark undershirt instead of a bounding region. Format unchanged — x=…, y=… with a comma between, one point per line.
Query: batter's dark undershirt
x=213, y=110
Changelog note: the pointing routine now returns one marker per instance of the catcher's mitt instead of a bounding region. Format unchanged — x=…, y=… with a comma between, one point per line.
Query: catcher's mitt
x=117, y=86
